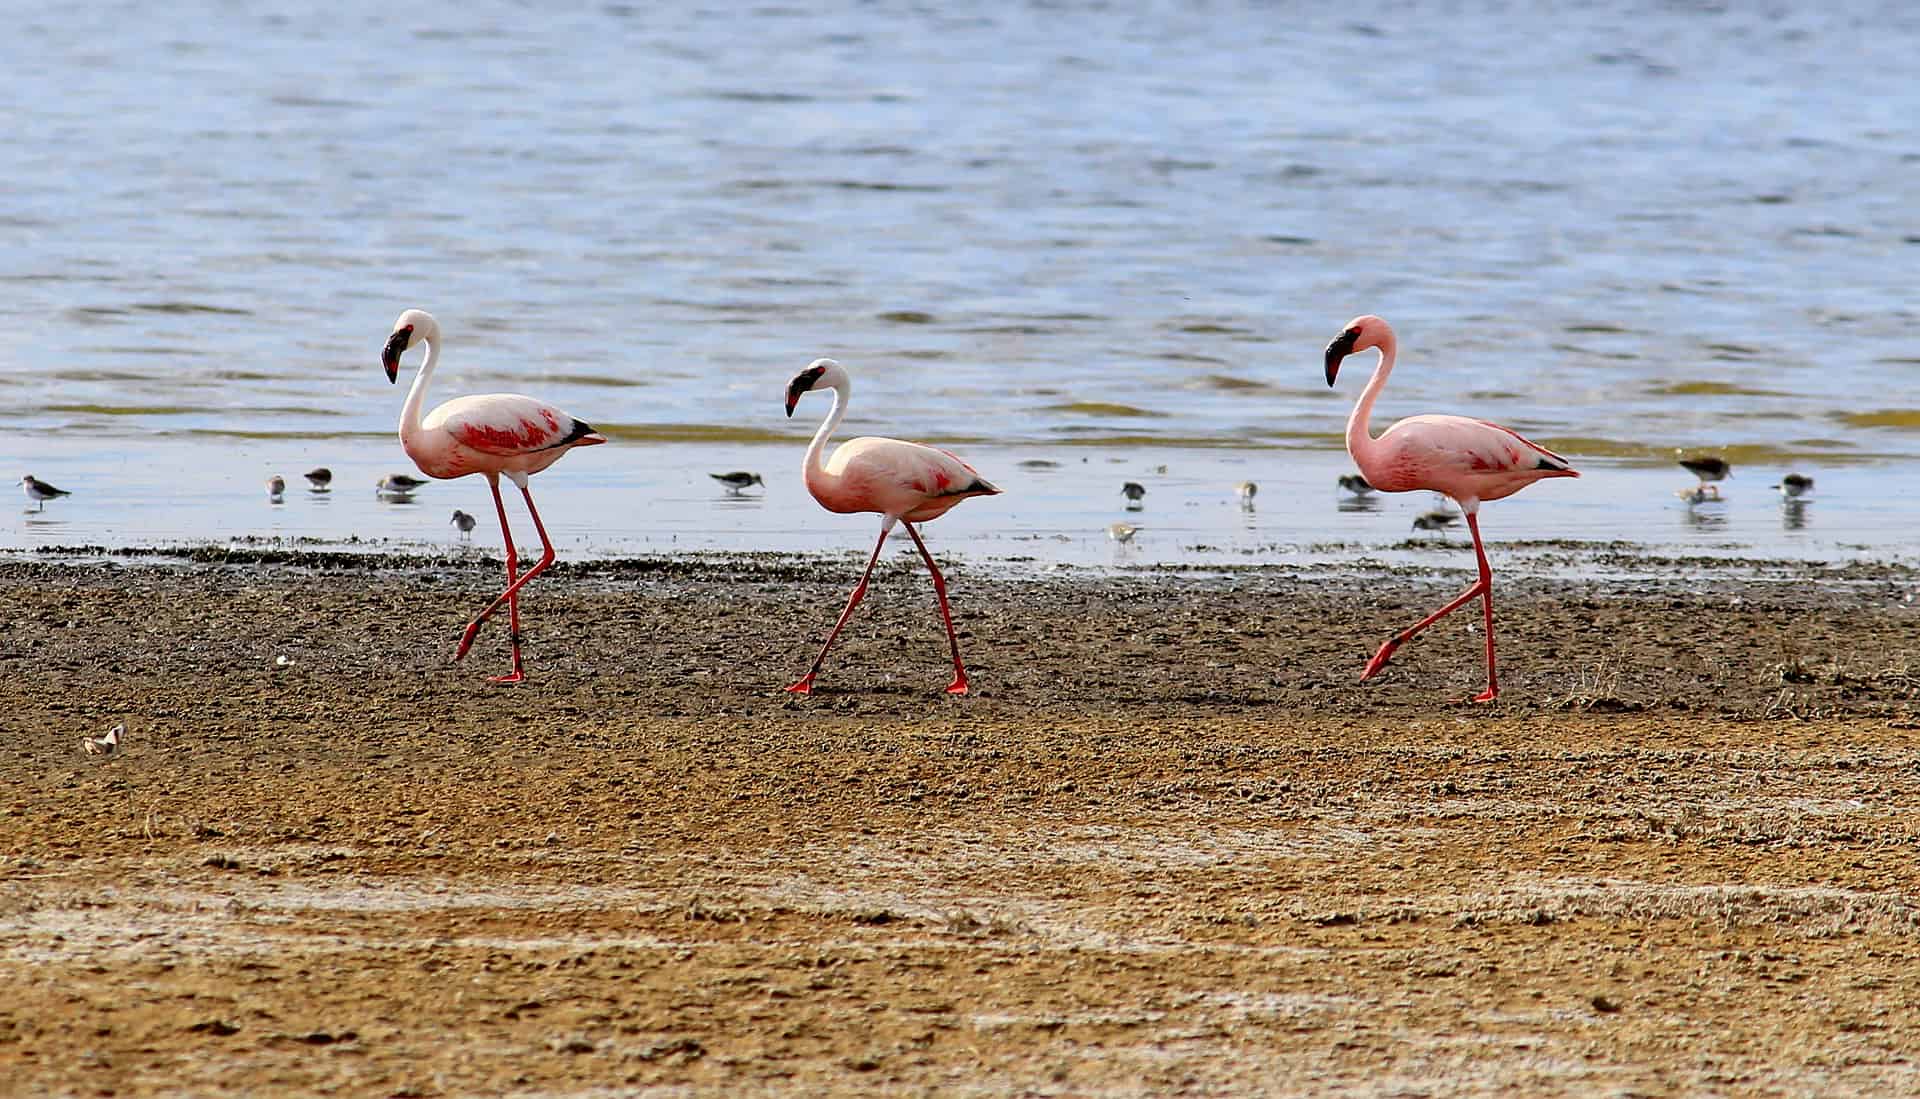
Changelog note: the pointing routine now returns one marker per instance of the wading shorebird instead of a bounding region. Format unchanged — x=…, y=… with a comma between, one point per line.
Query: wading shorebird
x=319, y=479
x=492, y=434
x=738, y=481
x=1469, y=460
x=1435, y=520
x=1135, y=492
x=1354, y=485
x=1122, y=532
x=40, y=492
x=276, y=488
x=905, y=483
x=1247, y=490
x=1708, y=467
x=463, y=522
x=400, y=484
x=1794, y=485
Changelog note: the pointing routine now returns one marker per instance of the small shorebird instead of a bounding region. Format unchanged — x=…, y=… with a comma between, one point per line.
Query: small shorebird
x=492, y=434
x=320, y=479
x=398, y=484
x=1122, y=532
x=1247, y=490
x=1134, y=491
x=104, y=745
x=1354, y=485
x=1708, y=467
x=738, y=481
x=905, y=483
x=463, y=521
x=276, y=488
x=1435, y=520
x=1466, y=459
x=1795, y=485
x=40, y=492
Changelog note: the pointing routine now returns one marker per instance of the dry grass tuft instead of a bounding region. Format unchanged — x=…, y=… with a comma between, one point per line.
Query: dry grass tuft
x=1597, y=690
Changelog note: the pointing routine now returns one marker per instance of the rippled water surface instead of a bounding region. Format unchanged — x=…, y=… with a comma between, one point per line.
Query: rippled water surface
x=1069, y=233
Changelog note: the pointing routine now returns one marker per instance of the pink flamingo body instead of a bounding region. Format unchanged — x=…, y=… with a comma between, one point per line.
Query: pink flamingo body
x=905, y=483
x=494, y=435
x=1470, y=460
x=911, y=482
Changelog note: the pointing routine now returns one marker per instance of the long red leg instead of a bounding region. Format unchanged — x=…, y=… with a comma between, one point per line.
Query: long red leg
x=1486, y=601
x=959, y=684
x=511, y=597
x=506, y=536
x=1480, y=587
x=804, y=686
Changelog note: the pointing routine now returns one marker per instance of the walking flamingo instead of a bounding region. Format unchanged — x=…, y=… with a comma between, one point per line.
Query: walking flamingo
x=1469, y=460
x=492, y=434
x=904, y=482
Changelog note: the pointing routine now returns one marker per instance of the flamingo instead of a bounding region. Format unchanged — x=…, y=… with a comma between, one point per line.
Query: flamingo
x=1468, y=460
x=906, y=483
x=492, y=434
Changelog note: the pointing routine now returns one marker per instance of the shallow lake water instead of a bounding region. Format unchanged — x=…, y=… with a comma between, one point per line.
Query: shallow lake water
x=1112, y=239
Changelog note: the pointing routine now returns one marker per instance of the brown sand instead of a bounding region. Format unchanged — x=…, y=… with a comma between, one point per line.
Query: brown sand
x=1169, y=847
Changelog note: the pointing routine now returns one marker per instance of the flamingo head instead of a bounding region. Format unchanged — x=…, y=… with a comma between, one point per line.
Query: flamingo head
x=414, y=326
x=1361, y=333
x=819, y=374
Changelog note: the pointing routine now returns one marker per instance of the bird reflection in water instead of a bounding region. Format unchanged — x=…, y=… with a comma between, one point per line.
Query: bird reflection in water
x=1706, y=516
x=1359, y=503
x=1793, y=514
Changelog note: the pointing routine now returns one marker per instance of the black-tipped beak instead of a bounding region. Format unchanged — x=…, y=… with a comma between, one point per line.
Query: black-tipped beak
x=390, y=355
x=802, y=382
x=1340, y=348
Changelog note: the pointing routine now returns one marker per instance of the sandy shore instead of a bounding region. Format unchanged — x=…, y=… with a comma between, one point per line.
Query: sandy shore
x=1169, y=847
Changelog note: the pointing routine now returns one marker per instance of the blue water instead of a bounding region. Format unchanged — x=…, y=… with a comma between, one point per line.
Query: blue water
x=1042, y=231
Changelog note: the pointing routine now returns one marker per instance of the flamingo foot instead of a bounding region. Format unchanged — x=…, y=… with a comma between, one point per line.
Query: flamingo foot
x=803, y=687
x=514, y=676
x=1380, y=659
x=466, y=640
x=958, y=686
x=1487, y=695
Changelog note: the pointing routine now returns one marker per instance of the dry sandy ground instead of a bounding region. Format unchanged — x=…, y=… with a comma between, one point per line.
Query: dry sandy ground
x=1169, y=847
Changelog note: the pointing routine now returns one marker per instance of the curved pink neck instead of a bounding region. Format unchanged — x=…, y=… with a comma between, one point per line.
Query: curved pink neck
x=1359, y=437
x=815, y=471
x=417, y=395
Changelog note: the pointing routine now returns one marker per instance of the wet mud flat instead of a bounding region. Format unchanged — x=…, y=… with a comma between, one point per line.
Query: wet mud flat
x=1170, y=846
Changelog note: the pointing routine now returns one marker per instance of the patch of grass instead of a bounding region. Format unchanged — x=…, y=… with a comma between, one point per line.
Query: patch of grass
x=1891, y=675
x=1597, y=690
x=1794, y=705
